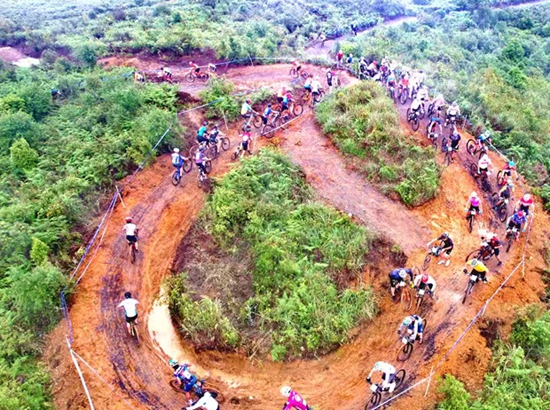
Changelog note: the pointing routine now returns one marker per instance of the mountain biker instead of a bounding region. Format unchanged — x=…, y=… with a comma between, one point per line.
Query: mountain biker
x=177, y=160
x=339, y=56
x=130, y=310
x=398, y=276
x=206, y=402
x=316, y=87
x=330, y=76
x=201, y=158
x=455, y=139
x=388, y=375
x=439, y=103
x=412, y=327
x=422, y=94
x=404, y=82
x=452, y=112
x=525, y=204
x=420, y=77
x=307, y=84
x=246, y=110
x=515, y=221
x=415, y=107
x=353, y=28
x=183, y=377
x=298, y=66
x=505, y=192
x=266, y=114
x=446, y=247
x=483, y=164
x=281, y=94
x=421, y=281
x=510, y=170
x=131, y=232
x=473, y=204
x=294, y=400
x=202, y=133
x=495, y=245
x=212, y=67
x=195, y=67
x=391, y=81
x=363, y=66
x=478, y=268
x=213, y=136
x=435, y=122
x=483, y=138
x=245, y=141
x=166, y=74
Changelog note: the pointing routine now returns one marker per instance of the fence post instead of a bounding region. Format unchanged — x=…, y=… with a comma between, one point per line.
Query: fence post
x=80, y=375
x=429, y=382
x=120, y=196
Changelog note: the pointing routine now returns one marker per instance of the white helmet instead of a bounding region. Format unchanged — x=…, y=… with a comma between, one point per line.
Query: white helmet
x=474, y=262
x=285, y=391
x=474, y=194
x=402, y=273
x=176, y=150
x=526, y=197
x=407, y=321
x=378, y=366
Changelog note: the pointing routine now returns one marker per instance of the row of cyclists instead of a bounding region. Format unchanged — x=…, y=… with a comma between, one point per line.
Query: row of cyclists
x=165, y=73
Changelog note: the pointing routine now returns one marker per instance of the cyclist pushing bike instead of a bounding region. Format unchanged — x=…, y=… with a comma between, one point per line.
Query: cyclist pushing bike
x=130, y=310
x=446, y=247
x=388, y=375
x=412, y=328
x=131, y=233
x=294, y=400
x=398, y=277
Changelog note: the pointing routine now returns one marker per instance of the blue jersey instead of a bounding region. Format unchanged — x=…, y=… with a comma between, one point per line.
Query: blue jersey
x=394, y=274
x=267, y=111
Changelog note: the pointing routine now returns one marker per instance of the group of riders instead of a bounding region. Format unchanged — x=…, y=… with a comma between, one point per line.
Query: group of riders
x=398, y=80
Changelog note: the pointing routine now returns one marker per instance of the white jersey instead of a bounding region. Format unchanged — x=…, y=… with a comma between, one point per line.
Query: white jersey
x=415, y=105
x=129, y=306
x=315, y=86
x=484, y=162
x=207, y=401
x=431, y=281
x=176, y=158
x=130, y=229
x=385, y=367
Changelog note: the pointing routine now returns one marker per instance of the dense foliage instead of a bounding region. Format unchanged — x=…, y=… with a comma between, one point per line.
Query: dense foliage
x=494, y=62
x=57, y=156
x=363, y=122
x=297, y=247
x=520, y=377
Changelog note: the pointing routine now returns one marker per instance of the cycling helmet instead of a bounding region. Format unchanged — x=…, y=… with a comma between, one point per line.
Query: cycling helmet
x=269, y=105
x=474, y=262
x=129, y=219
x=186, y=374
x=511, y=164
x=176, y=150
x=445, y=235
x=127, y=295
x=454, y=104
x=201, y=148
x=285, y=391
x=402, y=273
x=474, y=194
x=526, y=197
x=174, y=363
x=247, y=128
x=378, y=366
x=205, y=123
x=520, y=214
x=425, y=278
x=248, y=100
x=407, y=321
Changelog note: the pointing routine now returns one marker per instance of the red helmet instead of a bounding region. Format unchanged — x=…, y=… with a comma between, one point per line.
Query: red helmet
x=425, y=278
x=521, y=214
x=129, y=219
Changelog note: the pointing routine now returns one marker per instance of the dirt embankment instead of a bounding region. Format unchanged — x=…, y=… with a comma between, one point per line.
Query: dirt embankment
x=165, y=214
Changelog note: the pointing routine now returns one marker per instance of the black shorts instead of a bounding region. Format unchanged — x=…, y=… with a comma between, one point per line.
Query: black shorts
x=329, y=82
x=131, y=319
x=474, y=208
x=524, y=209
x=395, y=282
x=496, y=251
x=512, y=225
x=284, y=107
x=131, y=239
x=246, y=116
x=202, y=139
x=245, y=145
x=197, y=70
x=423, y=285
x=505, y=194
x=264, y=120
x=449, y=251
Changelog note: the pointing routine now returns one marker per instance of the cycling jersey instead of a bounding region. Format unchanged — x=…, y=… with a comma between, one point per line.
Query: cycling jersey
x=526, y=204
x=415, y=105
x=431, y=282
x=475, y=201
x=130, y=229
x=484, y=162
x=505, y=192
x=307, y=84
x=416, y=327
x=129, y=306
x=177, y=160
x=517, y=220
x=446, y=242
x=315, y=86
x=439, y=102
x=200, y=157
x=267, y=112
x=385, y=368
x=495, y=242
x=296, y=401
x=206, y=402
x=479, y=268
x=202, y=130
x=246, y=109
x=394, y=274
x=452, y=112
x=422, y=95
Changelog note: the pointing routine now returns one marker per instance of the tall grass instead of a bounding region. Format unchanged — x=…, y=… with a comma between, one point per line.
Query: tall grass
x=364, y=124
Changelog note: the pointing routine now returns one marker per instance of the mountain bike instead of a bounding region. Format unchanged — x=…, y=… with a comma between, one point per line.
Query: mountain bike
x=191, y=76
x=186, y=166
x=408, y=344
x=431, y=134
x=403, y=94
x=198, y=390
x=202, y=178
x=500, y=206
x=471, y=283
x=447, y=148
x=511, y=236
x=223, y=142
x=483, y=253
x=317, y=97
x=133, y=249
x=404, y=297
x=412, y=117
x=294, y=73
x=435, y=251
x=471, y=218
x=475, y=148
x=134, y=331
x=420, y=293
x=377, y=390
x=481, y=178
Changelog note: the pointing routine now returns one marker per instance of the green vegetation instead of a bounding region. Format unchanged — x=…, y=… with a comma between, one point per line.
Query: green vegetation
x=58, y=156
x=363, y=122
x=494, y=62
x=299, y=249
x=520, y=374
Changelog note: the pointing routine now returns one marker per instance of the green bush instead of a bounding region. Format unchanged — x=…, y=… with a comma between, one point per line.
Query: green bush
x=363, y=122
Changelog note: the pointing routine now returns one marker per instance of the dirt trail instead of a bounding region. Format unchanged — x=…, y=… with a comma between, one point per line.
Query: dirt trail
x=165, y=214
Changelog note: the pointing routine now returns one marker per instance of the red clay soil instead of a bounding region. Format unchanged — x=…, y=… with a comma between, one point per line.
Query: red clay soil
x=165, y=213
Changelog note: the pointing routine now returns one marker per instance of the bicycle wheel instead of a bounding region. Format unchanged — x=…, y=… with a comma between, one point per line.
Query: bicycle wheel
x=293, y=73
x=408, y=115
x=471, y=147
x=205, y=77
x=257, y=121
x=134, y=333
x=236, y=154
x=419, y=301
x=448, y=159
x=427, y=261
x=375, y=399
x=176, y=177
x=405, y=352
x=406, y=299
x=174, y=385
x=190, y=77
x=403, y=97
x=509, y=244
x=500, y=178
x=470, y=223
x=468, y=291
x=421, y=111
x=399, y=378
x=226, y=144
x=475, y=254
x=444, y=142
x=486, y=184
x=133, y=254
x=502, y=212
x=193, y=151
x=208, y=166
x=430, y=109
x=268, y=132
x=213, y=151
x=187, y=166
x=298, y=109
x=415, y=123
x=473, y=171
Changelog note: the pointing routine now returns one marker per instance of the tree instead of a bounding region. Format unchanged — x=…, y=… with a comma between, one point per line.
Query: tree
x=22, y=156
x=86, y=54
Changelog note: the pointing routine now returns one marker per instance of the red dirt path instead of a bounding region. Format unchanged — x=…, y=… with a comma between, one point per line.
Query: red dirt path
x=165, y=214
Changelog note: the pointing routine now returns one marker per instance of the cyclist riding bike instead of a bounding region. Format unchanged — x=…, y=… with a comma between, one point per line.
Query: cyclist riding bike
x=213, y=136
x=339, y=56
x=483, y=165
x=294, y=400
x=473, y=204
x=439, y=103
x=525, y=204
x=363, y=65
x=247, y=111
x=505, y=192
x=245, y=141
x=200, y=159
x=413, y=85
x=391, y=81
x=483, y=139
x=183, y=377
x=412, y=327
x=447, y=246
x=268, y=111
x=455, y=139
x=195, y=67
x=166, y=74
x=398, y=276
x=515, y=221
x=202, y=133
x=281, y=94
x=415, y=107
x=435, y=122
x=307, y=84
x=453, y=112
x=330, y=76
x=510, y=170
x=130, y=310
x=388, y=375
x=177, y=160
x=316, y=88
x=478, y=269
x=298, y=66
x=495, y=245
x=404, y=82
x=131, y=232
x=422, y=94
x=206, y=402
x=425, y=280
